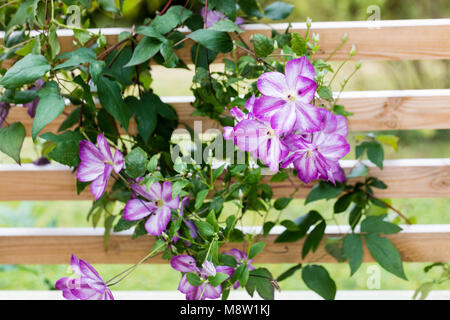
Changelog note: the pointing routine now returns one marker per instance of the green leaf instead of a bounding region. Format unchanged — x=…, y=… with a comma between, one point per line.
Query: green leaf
x=279, y=177
x=166, y=22
x=145, y=114
x=389, y=140
x=218, y=279
x=255, y=249
x=50, y=106
x=123, y=225
x=289, y=272
x=193, y=279
x=298, y=44
x=66, y=149
x=244, y=275
x=325, y=93
x=282, y=203
x=135, y=163
x=205, y=229
x=324, y=190
x=361, y=170
x=260, y=280
x=263, y=45
x=374, y=150
x=110, y=97
x=227, y=7
x=278, y=10
x=226, y=26
x=385, y=253
x=108, y=5
x=303, y=224
x=267, y=227
x=317, y=279
x=212, y=220
x=250, y=8
x=83, y=36
x=375, y=224
x=26, y=70
x=214, y=40
x=353, y=250
x=11, y=140
x=76, y=58
x=145, y=50
x=343, y=202
x=53, y=42
x=314, y=238
x=200, y=198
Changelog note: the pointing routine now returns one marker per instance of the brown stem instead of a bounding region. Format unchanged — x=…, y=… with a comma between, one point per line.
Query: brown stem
x=255, y=56
x=392, y=208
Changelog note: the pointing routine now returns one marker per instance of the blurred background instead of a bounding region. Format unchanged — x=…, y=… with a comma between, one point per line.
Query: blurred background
x=391, y=75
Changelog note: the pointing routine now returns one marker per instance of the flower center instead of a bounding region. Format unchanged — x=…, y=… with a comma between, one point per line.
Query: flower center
x=271, y=132
x=291, y=97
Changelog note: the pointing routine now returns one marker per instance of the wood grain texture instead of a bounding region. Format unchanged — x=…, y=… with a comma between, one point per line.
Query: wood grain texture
x=372, y=110
x=374, y=40
x=51, y=249
x=427, y=178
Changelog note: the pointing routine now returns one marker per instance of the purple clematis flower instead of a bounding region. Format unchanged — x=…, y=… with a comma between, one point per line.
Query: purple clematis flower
x=316, y=155
x=286, y=98
x=262, y=140
x=90, y=286
x=241, y=258
x=97, y=164
x=239, y=115
x=32, y=106
x=4, y=111
x=158, y=204
x=185, y=264
x=213, y=16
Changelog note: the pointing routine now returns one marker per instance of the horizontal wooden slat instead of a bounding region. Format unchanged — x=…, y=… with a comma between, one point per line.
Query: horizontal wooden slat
x=372, y=110
x=409, y=178
x=374, y=40
x=54, y=246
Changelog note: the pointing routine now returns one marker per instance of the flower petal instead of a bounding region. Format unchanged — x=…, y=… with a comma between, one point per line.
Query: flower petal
x=305, y=90
x=211, y=292
x=88, y=271
x=296, y=68
x=118, y=161
x=308, y=117
x=89, y=153
x=273, y=84
x=75, y=264
x=332, y=146
x=98, y=186
x=89, y=171
x=284, y=120
x=137, y=209
x=154, y=192
x=104, y=147
x=167, y=192
x=265, y=107
x=158, y=221
x=184, y=263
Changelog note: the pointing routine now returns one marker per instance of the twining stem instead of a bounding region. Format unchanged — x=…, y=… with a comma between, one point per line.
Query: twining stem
x=268, y=65
x=128, y=271
x=390, y=207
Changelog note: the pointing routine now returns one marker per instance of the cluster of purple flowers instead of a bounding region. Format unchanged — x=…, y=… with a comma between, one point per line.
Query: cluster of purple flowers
x=283, y=127
x=206, y=290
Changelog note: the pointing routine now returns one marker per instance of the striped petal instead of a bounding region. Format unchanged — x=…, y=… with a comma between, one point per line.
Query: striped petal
x=158, y=221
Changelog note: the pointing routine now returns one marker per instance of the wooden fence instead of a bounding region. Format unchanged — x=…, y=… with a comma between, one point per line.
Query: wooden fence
x=373, y=110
